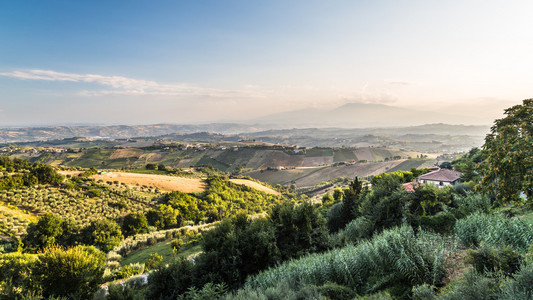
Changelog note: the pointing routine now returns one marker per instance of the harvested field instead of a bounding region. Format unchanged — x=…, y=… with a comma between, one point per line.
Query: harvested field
x=280, y=177
x=413, y=163
x=155, y=157
x=317, y=161
x=364, y=154
x=126, y=153
x=344, y=155
x=256, y=186
x=349, y=171
x=281, y=159
x=381, y=154
x=259, y=158
x=163, y=182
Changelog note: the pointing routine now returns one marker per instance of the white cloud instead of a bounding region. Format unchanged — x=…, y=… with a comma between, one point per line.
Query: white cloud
x=129, y=86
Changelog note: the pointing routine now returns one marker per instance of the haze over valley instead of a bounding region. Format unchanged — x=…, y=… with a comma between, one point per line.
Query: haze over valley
x=246, y=150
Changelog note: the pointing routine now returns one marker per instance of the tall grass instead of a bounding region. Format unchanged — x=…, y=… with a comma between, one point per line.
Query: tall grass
x=495, y=231
x=397, y=258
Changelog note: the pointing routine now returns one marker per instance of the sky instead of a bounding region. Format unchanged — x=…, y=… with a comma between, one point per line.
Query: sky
x=146, y=62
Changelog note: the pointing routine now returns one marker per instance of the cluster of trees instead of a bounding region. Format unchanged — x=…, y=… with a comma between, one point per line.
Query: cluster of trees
x=26, y=174
x=365, y=212
x=51, y=230
x=240, y=246
x=73, y=273
x=507, y=168
x=389, y=243
x=221, y=199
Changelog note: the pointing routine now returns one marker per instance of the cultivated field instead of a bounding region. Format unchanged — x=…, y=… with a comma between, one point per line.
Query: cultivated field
x=302, y=177
x=168, y=183
x=163, y=182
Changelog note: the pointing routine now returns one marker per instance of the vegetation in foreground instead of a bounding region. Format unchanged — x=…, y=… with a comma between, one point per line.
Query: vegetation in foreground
x=465, y=242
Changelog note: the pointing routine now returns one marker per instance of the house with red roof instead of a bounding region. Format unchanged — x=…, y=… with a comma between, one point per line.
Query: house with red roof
x=437, y=176
x=440, y=177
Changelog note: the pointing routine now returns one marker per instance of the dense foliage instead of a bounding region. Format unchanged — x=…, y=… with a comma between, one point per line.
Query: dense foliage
x=240, y=247
x=74, y=273
x=508, y=152
x=24, y=174
x=384, y=242
x=395, y=260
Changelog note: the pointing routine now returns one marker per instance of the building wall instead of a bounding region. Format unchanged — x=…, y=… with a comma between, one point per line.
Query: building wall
x=437, y=183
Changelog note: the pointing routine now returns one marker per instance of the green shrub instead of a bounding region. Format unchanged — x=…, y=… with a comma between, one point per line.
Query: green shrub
x=94, y=193
x=171, y=281
x=281, y=290
x=130, y=290
x=442, y=222
x=383, y=295
x=358, y=229
x=104, y=233
x=473, y=286
x=74, y=272
x=209, y=291
x=153, y=261
x=423, y=292
x=336, y=292
x=472, y=203
x=128, y=271
x=16, y=274
x=176, y=244
x=486, y=259
x=397, y=259
x=494, y=230
x=134, y=223
x=520, y=286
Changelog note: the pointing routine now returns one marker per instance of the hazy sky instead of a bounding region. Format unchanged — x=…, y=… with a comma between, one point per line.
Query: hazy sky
x=140, y=62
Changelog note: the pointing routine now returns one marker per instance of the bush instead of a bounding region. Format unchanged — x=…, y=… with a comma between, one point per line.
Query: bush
x=177, y=244
x=134, y=223
x=16, y=274
x=209, y=291
x=334, y=291
x=472, y=203
x=423, y=292
x=153, y=261
x=520, y=286
x=104, y=233
x=236, y=248
x=45, y=232
x=397, y=260
x=442, y=222
x=74, y=272
x=486, y=259
x=495, y=231
x=125, y=291
x=281, y=290
x=93, y=193
x=299, y=229
x=358, y=229
x=128, y=271
x=473, y=286
x=170, y=282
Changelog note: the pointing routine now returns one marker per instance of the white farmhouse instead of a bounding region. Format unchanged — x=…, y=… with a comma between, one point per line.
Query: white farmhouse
x=440, y=177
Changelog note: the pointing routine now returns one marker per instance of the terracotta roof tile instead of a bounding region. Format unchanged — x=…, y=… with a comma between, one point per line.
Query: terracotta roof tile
x=445, y=175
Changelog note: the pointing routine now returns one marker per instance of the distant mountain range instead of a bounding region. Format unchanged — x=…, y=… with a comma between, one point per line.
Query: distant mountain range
x=353, y=119
x=362, y=115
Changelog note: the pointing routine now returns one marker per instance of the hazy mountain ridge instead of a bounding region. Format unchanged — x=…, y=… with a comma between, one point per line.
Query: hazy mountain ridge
x=28, y=134
x=364, y=115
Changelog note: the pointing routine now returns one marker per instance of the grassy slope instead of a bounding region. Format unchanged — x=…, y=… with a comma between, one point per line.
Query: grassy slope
x=164, y=249
x=256, y=186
